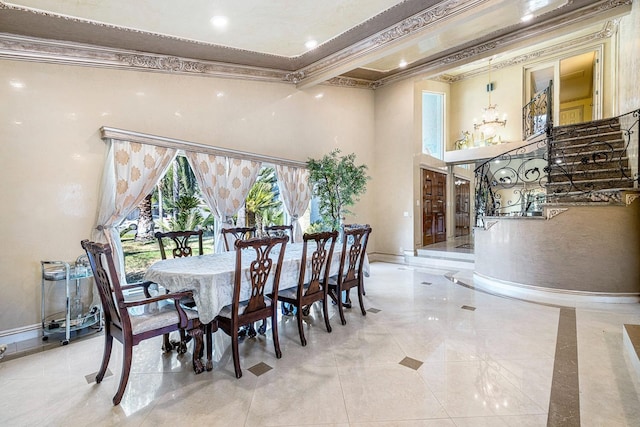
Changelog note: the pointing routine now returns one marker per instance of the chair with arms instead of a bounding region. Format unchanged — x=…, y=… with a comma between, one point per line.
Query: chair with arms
x=350, y=273
x=230, y=235
x=249, y=302
x=315, y=289
x=131, y=322
x=280, y=230
x=184, y=244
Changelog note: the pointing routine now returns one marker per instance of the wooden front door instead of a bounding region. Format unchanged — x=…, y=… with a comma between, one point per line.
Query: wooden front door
x=463, y=194
x=433, y=207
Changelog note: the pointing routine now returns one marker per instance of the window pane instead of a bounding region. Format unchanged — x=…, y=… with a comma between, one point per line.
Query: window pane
x=432, y=124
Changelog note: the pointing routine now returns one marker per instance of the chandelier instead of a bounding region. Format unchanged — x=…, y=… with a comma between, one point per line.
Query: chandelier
x=491, y=120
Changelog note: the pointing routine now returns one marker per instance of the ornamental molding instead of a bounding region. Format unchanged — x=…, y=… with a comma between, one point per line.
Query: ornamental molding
x=489, y=224
x=554, y=212
x=406, y=28
x=631, y=197
x=352, y=83
x=294, y=78
x=28, y=48
x=608, y=30
x=423, y=19
x=173, y=64
x=502, y=43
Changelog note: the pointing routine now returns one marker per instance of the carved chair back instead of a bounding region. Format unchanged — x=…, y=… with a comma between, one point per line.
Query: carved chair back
x=280, y=230
x=231, y=235
x=182, y=241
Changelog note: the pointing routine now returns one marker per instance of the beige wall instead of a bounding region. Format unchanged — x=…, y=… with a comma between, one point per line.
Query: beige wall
x=51, y=154
x=393, y=151
x=469, y=97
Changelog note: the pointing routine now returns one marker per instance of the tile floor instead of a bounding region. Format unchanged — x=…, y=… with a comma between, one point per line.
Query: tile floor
x=435, y=354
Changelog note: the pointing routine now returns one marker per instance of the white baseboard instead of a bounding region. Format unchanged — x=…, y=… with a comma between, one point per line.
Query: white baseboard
x=21, y=334
x=563, y=297
x=379, y=257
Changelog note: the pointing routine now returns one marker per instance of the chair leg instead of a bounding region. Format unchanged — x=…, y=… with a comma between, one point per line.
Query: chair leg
x=166, y=343
x=106, y=355
x=127, y=357
x=235, y=351
x=303, y=340
x=360, y=299
x=196, y=334
x=274, y=331
x=209, y=331
x=347, y=298
x=340, y=309
x=325, y=310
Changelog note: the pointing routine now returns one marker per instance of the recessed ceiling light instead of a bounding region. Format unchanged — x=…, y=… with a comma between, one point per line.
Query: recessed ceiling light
x=402, y=64
x=527, y=17
x=310, y=44
x=219, y=21
x=16, y=84
x=320, y=95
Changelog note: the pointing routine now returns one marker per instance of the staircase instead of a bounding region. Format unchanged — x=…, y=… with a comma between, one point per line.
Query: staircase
x=587, y=158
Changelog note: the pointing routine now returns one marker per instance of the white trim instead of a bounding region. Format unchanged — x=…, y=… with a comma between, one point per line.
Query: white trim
x=21, y=334
x=380, y=257
x=564, y=297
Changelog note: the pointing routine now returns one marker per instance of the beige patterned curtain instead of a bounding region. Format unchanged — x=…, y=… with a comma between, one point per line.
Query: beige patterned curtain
x=131, y=172
x=296, y=193
x=225, y=183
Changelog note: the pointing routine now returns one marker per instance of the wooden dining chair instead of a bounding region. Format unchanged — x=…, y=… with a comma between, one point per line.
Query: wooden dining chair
x=183, y=243
x=250, y=302
x=131, y=322
x=315, y=288
x=230, y=235
x=350, y=273
x=279, y=230
x=352, y=226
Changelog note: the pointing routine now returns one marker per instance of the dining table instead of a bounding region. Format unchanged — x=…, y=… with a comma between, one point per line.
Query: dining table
x=210, y=278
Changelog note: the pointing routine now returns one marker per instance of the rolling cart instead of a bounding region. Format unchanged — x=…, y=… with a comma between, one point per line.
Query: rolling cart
x=74, y=317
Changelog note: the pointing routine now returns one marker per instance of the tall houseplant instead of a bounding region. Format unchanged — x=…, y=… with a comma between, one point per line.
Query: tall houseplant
x=337, y=182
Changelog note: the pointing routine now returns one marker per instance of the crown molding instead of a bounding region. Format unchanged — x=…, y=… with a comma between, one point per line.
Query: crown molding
x=41, y=50
x=608, y=30
x=410, y=27
x=434, y=68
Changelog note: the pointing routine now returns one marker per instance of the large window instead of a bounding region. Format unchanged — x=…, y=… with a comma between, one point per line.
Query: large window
x=177, y=204
x=433, y=124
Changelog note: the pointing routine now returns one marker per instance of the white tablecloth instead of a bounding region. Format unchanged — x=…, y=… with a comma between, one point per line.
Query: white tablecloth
x=210, y=277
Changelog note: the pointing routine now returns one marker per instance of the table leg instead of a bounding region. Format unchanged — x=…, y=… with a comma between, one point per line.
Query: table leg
x=197, y=334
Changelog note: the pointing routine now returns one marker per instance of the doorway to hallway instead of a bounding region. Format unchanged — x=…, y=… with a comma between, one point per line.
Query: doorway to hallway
x=434, y=201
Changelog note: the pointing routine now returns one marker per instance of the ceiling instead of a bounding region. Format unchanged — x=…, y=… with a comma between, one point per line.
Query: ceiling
x=362, y=43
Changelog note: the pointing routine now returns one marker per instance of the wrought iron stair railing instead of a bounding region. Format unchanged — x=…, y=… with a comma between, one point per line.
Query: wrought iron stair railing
x=588, y=162
x=536, y=115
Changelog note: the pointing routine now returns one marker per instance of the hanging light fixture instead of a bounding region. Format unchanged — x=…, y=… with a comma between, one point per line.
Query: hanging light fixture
x=490, y=117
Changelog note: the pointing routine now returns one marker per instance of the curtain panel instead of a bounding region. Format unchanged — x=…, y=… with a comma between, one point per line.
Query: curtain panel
x=130, y=173
x=296, y=194
x=224, y=183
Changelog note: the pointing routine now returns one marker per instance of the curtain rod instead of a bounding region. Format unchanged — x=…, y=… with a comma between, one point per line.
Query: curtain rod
x=161, y=141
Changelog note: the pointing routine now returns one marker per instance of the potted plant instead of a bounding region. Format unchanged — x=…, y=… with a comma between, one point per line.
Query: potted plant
x=337, y=182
